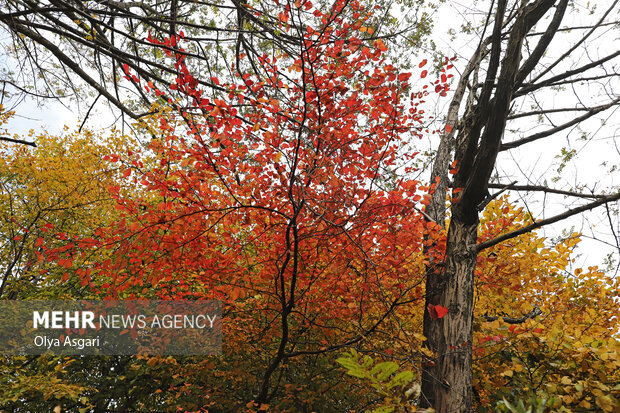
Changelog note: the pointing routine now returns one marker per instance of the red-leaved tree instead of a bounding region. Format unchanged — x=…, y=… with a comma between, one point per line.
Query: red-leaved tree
x=287, y=199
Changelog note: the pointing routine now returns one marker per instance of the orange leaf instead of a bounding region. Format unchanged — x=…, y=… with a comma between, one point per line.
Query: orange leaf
x=380, y=45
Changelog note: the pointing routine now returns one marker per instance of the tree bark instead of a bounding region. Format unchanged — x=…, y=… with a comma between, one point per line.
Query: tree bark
x=447, y=380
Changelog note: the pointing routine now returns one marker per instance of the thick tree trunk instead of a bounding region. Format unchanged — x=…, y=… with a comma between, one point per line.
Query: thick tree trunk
x=447, y=379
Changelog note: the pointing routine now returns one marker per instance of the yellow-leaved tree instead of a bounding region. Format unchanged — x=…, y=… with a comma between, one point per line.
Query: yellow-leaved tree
x=55, y=192
x=543, y=329
x=49, y=195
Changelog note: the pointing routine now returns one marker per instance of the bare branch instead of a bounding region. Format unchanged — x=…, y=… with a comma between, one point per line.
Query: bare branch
x=572, y=49
x=593, y=111
x=543, y=43
x=538, y=224
x=513, y=320
x=546, y=189
x=547, y=111
x=528, y=87
x=74, y=67
x=20, y=141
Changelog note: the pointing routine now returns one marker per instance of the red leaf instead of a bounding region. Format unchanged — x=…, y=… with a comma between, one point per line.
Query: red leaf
x=441, y=311
x=126, y=68
x=423, y=74
x=422, y=63
x=437, y=311
x=403, y=77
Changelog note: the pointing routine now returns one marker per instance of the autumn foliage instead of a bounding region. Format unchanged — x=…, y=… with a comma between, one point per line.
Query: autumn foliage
x=565, y=354
x=282, y=198
x=568, y=352
x=290, y=197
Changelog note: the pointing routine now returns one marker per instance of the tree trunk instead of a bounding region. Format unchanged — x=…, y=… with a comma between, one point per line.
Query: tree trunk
x=447, y=379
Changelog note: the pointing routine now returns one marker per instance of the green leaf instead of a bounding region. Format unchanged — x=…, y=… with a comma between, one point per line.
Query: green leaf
x=384, y=409
x=367, y=362
x=347, y=363
x=353, y=368
x=402, y=378
x=384, y=370
x=359, y=372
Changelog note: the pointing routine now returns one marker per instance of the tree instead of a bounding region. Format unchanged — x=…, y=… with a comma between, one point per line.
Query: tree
x=281, y=187
x=543, y=333
x=282, y=200
x=513, y=70
x=47, y=195
x=540, y=328
x=95, y=40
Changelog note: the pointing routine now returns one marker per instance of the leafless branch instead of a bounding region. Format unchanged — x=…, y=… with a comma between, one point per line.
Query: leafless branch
x=546, y=189
x=515, y=320
x=20, y=141
x=591, y=112
x=551, y=220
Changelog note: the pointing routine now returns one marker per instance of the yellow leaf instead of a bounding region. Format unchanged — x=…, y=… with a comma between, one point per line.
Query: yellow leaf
x=419, y=336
